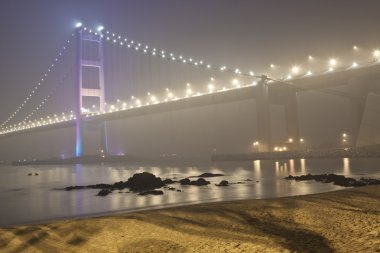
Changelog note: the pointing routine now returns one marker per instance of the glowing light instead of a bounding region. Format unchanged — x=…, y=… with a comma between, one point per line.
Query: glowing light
x=272, y=66
x=333, y=62
x=101, y=28
x=354, y=65
x=301, y=140
x=290, y=140
x=376, y=53
x=295, y=69
x=344, y=135
x=189, y=91
x=355, y=48
x=210, y=87
x=309, y=73
x=235, y=81
x=79, y=24
x=310, y=57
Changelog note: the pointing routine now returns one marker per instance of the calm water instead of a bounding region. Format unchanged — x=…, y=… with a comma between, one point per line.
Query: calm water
x=25, y=199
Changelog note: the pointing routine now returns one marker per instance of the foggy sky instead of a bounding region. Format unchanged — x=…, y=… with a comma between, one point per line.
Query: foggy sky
x=251, y=34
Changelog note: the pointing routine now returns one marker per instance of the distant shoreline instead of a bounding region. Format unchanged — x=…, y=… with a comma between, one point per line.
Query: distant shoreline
x=372, y=151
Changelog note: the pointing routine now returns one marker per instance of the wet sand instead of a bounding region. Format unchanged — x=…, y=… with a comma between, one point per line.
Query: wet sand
x=340, y=221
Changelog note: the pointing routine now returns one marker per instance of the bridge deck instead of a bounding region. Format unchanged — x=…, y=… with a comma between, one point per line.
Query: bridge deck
x=316, y=82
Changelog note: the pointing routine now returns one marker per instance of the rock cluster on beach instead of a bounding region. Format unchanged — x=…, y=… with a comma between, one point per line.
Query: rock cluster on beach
x=144, y=183
x=336, y=179
x=199, y=182
x=137, y=183
x=147, y=184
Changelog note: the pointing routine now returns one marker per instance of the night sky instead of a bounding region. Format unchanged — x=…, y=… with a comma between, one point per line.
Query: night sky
x=249, y=34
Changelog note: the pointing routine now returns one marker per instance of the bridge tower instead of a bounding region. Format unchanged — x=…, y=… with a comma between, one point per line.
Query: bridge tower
x=89, y=45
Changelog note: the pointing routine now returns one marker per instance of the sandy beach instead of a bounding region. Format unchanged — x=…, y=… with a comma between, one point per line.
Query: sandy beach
x=340, y=221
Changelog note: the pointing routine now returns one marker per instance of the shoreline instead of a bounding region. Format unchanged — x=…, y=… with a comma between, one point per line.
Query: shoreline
x=147, y=209
x=341, y=221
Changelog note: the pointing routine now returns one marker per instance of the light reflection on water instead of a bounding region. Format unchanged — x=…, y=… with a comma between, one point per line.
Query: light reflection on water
x=346, y=166
x=26, y=198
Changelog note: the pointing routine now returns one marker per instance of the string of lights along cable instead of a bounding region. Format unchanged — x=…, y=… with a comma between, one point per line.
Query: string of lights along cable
x=294, y=71
x=40, y=83
x=44, y=101
x=285, y=74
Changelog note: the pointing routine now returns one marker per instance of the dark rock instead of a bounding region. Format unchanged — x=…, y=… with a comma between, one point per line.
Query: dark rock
x=207, y=174
x=120, y=185
x=138, y=182
x=168, y=181
x=36, y=174
x=201, y=181
x=69, y=188
x=198, y=182
x=223, y=183
x=104, y=192
x=100, y=186
x=153, y=192
x=185, y=181
x=335, y=179
x=178, y=190
x=144, y=181
x=30, y=174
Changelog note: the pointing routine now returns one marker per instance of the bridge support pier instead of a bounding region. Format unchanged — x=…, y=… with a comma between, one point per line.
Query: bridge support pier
x=263, y=116
x=291, y=118
x=79, y=139
x=104, y=139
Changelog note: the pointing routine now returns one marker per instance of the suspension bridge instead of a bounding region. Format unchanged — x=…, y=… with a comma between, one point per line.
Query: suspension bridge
x=87, y=93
